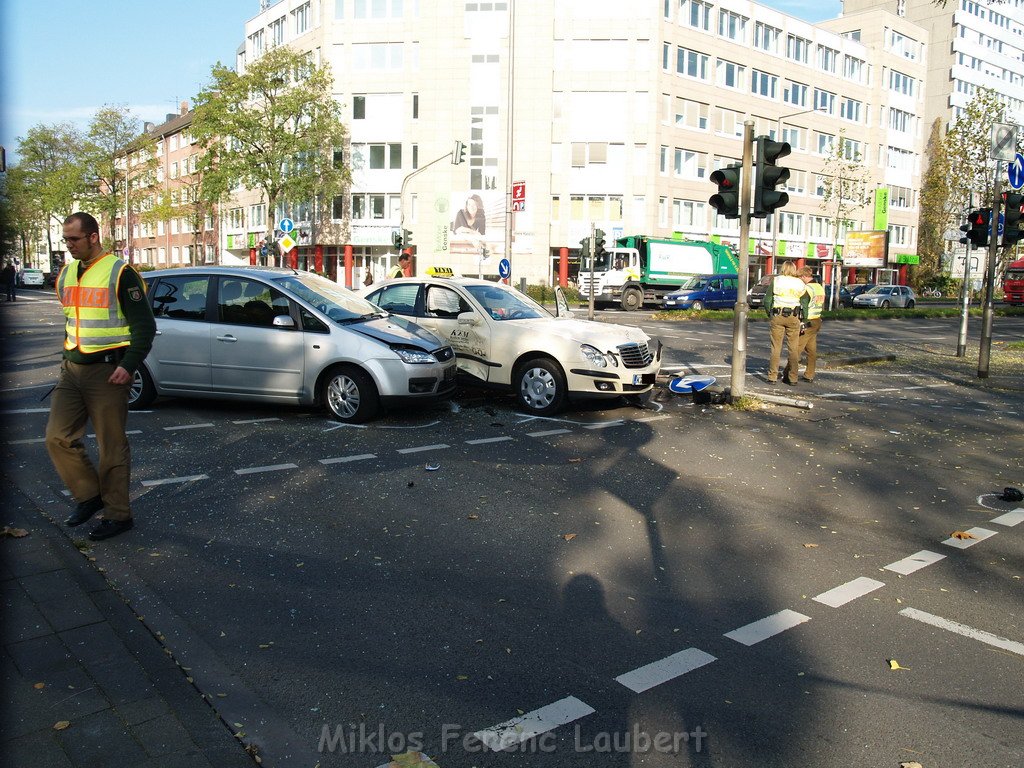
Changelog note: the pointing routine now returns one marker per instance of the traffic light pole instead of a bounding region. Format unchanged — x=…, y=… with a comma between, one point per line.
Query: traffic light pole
x=985, y=343
x=739, y=326
x=593, y=283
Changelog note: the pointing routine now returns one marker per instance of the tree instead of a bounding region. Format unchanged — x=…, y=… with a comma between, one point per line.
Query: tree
x=50, y=164
x=19, y=212
x=272, y=128
x=968, y=145
x=936, y=211
x=845, y=189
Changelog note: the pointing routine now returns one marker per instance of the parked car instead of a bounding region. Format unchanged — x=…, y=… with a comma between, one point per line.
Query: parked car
x=283, y=336
x=845, y=299
x=755, y=296
x=503, y=339
x=705, y=292
x=856, y=289
x=885, y=296
x=31, y=278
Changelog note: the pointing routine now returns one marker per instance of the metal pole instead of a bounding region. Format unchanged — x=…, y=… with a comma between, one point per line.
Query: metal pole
x=965, y=292
x=985, y=343
x=739, y=323
x=593, y=284
x=508, y=133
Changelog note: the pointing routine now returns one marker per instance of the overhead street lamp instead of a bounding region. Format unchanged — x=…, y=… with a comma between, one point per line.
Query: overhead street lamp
x=778, y=137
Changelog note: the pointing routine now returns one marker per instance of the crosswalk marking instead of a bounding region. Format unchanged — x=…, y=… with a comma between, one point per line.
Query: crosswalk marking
x=519, y=729
x=657, y=672
x=964, y=630
x=762, y=629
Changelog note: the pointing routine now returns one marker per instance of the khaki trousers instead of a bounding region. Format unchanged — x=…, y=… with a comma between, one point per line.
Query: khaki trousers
x=809, y=344
x=788, y=328
x=83, y=394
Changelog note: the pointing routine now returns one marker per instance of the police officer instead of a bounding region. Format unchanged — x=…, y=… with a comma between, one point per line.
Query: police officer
x=108, y=332
x=782, y=302
x=813, y=304
x=399, y=270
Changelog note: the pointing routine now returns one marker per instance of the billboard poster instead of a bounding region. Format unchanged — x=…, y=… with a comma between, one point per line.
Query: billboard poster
x=864, y=249
x=476, y=223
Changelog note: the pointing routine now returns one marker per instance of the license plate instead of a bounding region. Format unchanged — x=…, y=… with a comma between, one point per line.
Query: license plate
x=638, y=378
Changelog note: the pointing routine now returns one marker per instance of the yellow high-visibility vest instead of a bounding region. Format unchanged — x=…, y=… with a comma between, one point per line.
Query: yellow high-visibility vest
x=95, y=322
x=817, y=302
x=787, y=291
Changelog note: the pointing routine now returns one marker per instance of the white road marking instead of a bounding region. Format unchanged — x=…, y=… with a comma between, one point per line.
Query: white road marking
x=549, y=432
x=27, y=410
x=963, y=629
x=424, y=761
x=409, y=426
x=420, y=449
x=519, y=729
x=762, y=629
x=27, y=386
x=606, y=425
x=979, y=534
x=270, y=468
x=1010, y=519
x=189, y=426
x=27, y=442
x=169, y=480
x=691, y=338
x=485, y=440
x=651, y=418
x=661, y=671
x=127, y=432
x=864, y=392
x=915, y=562
x=849, y=591
x=344, y=459
x=256, y=421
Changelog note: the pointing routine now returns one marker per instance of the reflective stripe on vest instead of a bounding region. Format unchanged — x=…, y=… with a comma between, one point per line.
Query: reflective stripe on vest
x=95, y=322
x=817, y=302
x=786, y=291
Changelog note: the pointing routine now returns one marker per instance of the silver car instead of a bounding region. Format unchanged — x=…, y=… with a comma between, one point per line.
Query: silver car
x=885, y=296
x=283, y=336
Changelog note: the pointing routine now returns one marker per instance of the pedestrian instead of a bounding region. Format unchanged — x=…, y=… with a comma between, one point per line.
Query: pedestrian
x=401, y=268
x=108, y=333
x=813, y=303
x=782, y=302
x=8, y=277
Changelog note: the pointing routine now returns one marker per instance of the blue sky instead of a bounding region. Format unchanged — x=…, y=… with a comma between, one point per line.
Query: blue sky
x=63, y=59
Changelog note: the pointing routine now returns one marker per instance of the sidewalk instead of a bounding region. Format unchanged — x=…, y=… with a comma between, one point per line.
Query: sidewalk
x=74, y=651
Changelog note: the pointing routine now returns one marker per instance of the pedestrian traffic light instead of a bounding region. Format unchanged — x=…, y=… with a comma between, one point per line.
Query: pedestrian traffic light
x=396, y=239
x=598, y=241
x=1013, y=202
x=585, y=247
x=458, y=153
x=768, y=175
x=406, y=238
x=978, y=226
x=727, y=201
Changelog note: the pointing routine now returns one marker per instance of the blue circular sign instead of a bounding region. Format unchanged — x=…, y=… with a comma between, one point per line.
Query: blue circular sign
x=286, y=225
x=687, y=384
x=1015, y=171
x=504, y=268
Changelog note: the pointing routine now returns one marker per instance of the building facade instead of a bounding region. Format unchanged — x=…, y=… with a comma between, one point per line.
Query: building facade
x=606, y=114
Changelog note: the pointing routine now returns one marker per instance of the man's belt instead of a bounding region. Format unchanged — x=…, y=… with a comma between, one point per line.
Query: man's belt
x=786, y=311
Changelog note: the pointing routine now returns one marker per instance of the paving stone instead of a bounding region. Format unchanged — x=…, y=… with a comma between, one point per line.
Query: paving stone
x=28, y=561
x=121, y=679
x=189, y=760
x=22, y=620
x=35, y=750
x=100, y=741
x=41, y=656
x=69, y=612
x=140, y=711
x=163, y=736
x=53, y=585
x=93, y=643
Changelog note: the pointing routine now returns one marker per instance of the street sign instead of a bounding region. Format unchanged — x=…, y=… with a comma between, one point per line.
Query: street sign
x=286, y=225
x=1004, y=142
x=518, y=196
x=504, y=269
x=1015, y=171
x=126, y=252
x=286, y=242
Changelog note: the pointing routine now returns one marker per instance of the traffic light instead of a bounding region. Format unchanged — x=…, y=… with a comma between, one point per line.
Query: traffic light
x=768, y=175
x=727, y=201
x=598, y=241
x=977, y=227
x=1013, y=202
x=396, y=239
x=585, y=248
x=406, y=238
x=458, y=153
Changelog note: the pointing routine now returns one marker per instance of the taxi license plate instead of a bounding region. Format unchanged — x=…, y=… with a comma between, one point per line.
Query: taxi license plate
x=638, y=378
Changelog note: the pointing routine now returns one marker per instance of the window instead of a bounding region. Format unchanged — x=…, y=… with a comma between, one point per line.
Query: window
x=181, y=298
x=690, y=163
x=900, y=121
x=901, y=197
x=691, y=114
x=851, y=150
x=732, y=25
x=900, y=83
x=765, y=37
x=823, y=142
x=796, y=182
x=899, y=159
x=691, y=63
x=401, y=299
x=300, y=19
x=690, y=214
x=248, y=302
x=444, y=303
x=797, y=48
x=663, y=161
x=730, y=123
x=794, y=137
x=763, y=84
x=849, y=109
x=821, y=228
x=256, y=43
x=276, y=29
x=795, y=94
x=699, y=15
x=901, y=45
x=853, y=69
x=824, y=101
x=358, y=107
x=899, y=234
x=827, y=58
x=730, y=75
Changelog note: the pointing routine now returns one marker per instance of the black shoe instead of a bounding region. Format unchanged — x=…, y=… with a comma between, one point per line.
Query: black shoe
x=790, y=383
x=804, y=378
x=84, y=511
x=109, y=528
x=773, y=382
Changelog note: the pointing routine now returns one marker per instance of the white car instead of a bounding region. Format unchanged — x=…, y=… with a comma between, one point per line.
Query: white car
x=31, y=277
x=885, y=296
x=504, y=339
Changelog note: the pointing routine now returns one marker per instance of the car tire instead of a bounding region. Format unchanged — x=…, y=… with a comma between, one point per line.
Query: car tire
x=142, y=390
x=540, y=386
x=697, y=306
x=349, y=395
x=632, y=299
x=910, y=304
x=885, y=304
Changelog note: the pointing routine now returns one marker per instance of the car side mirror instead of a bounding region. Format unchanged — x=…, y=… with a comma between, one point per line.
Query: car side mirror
x=284, y=321
x=561, y=304
x=469, y=318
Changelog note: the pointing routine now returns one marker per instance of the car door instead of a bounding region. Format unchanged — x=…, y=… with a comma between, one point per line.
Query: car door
x=470, y=337
x=180, y=358
x=249, y=354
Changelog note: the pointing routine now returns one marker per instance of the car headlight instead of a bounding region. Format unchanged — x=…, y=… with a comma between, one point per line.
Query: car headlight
x=596, y=358
x=415, y=356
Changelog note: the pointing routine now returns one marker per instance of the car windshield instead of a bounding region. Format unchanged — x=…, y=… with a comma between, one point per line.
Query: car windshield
x=877, y=290
x=694, y=284
x=337, y=303
x=505, y=304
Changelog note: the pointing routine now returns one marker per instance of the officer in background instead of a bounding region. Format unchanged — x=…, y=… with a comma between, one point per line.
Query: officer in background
x=401, y=268
x=108, y=333
x=813, y=304
x=782, y=302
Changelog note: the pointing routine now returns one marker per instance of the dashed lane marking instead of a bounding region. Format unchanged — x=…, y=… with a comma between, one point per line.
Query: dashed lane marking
x=606, y=425
x=486, y=440
x=27, y=410
x=977, y=534
x=189, y=426
x=256, y=421
x=657, y=672
x=549, y=433
x=127, y=432
x=915, y=562
x=652, y=418
x=172, y=480
x=964, y=630
x=1010, y=519
x=519, y=729
x=762, y=629
x=421, y=448
x=346, y=459
x=270, y=468
x=851, y=590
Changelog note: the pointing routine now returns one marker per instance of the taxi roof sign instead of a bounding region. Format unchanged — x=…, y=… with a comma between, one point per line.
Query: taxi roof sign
x=441, y=272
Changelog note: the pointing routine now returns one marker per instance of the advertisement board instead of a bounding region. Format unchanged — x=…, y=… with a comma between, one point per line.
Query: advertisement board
x=864, y=249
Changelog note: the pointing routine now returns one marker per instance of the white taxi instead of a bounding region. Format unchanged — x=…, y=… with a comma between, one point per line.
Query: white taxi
x=504, y=339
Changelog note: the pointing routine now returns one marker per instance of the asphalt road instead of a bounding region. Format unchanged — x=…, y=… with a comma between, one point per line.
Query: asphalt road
x=680, y=586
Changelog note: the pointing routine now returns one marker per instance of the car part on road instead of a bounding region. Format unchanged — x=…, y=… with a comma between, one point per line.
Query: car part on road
x=349, y=395
x=541, y=389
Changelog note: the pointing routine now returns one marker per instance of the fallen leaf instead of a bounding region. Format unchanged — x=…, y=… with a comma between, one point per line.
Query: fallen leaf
x=914, y=764
x=810, y=546
x=15, y=533
x=462, y=677
x=893, y=664
x=472, y=517
x=569, y=536
x=409, y=760
x=575, y=461
x=962, y=535
x=61, y=725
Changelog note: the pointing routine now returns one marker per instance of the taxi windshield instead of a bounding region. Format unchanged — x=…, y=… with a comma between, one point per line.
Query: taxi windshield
x=505, y=304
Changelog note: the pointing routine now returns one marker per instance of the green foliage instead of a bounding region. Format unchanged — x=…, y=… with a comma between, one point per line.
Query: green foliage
x=545, y=294
x=936, y=213
x=50, y=175
x=274, y=128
